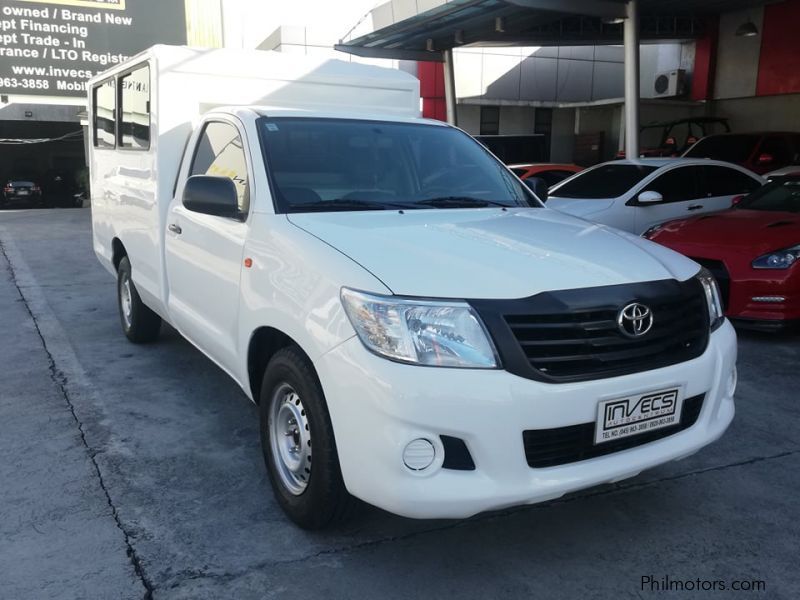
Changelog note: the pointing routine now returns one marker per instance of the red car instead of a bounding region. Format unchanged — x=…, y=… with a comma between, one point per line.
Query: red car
x=761, y=152
x=551, y=173
x=752, y=249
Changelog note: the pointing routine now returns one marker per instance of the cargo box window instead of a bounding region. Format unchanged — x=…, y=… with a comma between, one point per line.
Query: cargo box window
x=135, y=109
x=104, y=104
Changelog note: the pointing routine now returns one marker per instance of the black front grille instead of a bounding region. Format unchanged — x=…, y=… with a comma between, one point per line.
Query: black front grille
x=564, y=445
x=572, y=335
x=720, y=273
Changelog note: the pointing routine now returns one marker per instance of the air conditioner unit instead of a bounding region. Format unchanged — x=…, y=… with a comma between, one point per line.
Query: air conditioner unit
x=670, y=83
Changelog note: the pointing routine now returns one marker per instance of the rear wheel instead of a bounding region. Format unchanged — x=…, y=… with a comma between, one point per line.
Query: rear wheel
x=140, y=324
x=298, y=444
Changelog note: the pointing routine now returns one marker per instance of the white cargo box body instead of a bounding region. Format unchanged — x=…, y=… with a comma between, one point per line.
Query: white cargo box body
x=132, y=187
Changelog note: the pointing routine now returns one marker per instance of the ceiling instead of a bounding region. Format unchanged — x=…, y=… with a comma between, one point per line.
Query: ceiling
x=424, y=35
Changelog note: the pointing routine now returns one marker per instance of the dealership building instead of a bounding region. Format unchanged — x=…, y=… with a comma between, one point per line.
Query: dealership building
x=562, y=69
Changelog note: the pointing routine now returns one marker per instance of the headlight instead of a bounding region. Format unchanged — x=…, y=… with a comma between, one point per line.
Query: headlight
x=715, y=313
x=780, y=259
x=652, y=231
x=432, y=333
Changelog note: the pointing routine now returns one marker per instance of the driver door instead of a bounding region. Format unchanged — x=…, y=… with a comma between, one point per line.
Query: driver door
x=680, y=190
x=204, y=252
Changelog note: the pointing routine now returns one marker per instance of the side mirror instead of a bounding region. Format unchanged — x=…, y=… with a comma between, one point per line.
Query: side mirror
x=211, y=196
x=538, y=186
x=737, y=199
x=765, y=159
x=650, y=197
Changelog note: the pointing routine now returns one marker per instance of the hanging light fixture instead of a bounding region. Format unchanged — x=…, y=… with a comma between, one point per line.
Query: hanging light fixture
x=747, y=29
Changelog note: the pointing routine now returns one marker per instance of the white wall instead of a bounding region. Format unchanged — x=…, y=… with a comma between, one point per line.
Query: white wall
x=737, y=57
x=764, y=113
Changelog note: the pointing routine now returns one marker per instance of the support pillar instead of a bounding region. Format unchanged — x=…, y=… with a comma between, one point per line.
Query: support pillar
x=450, y=87
x=631, y=40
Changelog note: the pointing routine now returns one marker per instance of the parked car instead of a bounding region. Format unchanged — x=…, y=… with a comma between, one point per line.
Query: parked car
x=21, y=192
x=673, y=138
x=758, y=152
x=752, y=250
x=783, y=173
x=550, y=173
x=402, y=308
x=635, y=195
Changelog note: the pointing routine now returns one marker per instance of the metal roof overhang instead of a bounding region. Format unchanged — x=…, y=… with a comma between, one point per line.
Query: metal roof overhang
x=425, y=35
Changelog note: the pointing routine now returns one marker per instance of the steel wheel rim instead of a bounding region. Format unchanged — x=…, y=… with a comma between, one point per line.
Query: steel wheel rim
x=290, y=439
x=125, y=300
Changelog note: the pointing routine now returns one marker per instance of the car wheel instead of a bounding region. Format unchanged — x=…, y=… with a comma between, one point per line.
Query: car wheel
x=298, y=444
x=140, y=324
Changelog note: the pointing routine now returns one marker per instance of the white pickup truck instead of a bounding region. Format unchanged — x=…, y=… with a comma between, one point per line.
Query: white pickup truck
x=418, y=330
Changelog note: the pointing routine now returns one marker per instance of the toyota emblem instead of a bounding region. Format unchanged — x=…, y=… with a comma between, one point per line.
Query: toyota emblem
x=635, y=320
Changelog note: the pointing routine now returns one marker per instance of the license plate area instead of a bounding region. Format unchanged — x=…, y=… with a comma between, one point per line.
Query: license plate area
x=639, y=413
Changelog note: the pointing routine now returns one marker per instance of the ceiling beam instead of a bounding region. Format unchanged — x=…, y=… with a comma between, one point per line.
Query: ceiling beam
x=396, y=53
x=589, y=8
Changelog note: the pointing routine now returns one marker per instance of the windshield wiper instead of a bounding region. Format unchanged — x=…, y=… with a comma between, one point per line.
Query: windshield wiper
x=344, y=204
x=461, y=202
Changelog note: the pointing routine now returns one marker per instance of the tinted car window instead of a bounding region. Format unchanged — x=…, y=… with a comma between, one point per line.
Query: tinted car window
x=779, y=196
x=776, y=146
x=553, y=177
x=676, y=185
x=605, y=181
x=343, y=164
x=731, y=148
x=722, y=181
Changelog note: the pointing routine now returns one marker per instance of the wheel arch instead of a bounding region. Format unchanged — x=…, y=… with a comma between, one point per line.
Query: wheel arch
x=118, y=252
x=264, y=343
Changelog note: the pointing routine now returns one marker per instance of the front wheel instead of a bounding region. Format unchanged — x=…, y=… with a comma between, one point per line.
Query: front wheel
x=140, y=324
x=298, y=444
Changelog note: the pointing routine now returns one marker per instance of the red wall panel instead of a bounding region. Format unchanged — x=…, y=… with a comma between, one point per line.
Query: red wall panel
x=431, y=90
x=778, y=71
x=705, y=63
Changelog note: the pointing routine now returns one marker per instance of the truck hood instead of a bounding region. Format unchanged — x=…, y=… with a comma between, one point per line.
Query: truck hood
x=490, y=252
x=579, y=207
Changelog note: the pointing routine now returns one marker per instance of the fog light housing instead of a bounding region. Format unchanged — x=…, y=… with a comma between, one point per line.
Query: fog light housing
x=733, y=379
x=419, y=454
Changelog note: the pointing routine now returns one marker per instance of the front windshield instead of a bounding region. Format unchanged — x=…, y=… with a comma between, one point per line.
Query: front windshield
x=606, y=181
x=321, y=164
x=779, y=197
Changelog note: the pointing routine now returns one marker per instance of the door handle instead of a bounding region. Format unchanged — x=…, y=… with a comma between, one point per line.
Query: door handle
x=695, y=207
x=175, y=228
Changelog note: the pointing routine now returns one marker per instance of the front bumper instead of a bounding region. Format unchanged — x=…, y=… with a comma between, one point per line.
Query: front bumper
x=378, y=406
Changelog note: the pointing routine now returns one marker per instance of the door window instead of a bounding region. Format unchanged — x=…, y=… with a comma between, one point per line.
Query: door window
x=676, y=185
x=220, y=153
x=722, y=181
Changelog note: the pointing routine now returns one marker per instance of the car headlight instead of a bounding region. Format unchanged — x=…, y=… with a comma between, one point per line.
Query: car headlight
x=780, y=259
x=423, y=332
x=652, y=231
x=715, y=312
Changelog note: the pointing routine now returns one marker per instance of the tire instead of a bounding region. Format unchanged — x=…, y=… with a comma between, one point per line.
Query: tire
x=140, y=324
x=313, y=495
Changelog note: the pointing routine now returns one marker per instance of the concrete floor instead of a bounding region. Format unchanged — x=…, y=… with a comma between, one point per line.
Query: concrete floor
x=135, y=472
